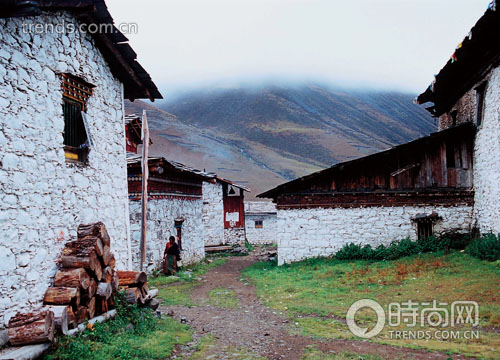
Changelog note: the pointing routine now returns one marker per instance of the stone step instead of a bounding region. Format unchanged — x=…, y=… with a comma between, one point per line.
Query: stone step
x=218, y=248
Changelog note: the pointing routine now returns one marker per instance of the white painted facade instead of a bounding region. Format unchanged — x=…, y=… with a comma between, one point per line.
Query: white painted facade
x=160, y=226
x=43, y=198
x=306, y=233
x=265, y=213
x=486, y=150
x=213, y=213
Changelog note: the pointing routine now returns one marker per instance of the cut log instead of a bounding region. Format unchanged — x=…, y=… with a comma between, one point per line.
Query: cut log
x=72, y=278
x=153, y=293
x=107, y=256
x=132, y=278
x=71, y=318
x=87, y=261
x=104, y=290
x=62, y=296
x=112, y=261
x=98, y=270
x=103, y=305
x=38, y=331
x=153, y=304
x=81, y=314
x=111, y=303
x=83, y=247
x=144, y=290
x=115, y=282
x=24, y=319
x=97, y=229
x=132, y=295
x=91, y=307
x=60, y=317
x=107, y=275
x=92, y=288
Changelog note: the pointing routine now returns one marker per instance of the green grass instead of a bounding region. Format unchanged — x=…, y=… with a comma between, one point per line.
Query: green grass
x=223, y=298
x=148, y=338
x=316, y=294
x=176, y=290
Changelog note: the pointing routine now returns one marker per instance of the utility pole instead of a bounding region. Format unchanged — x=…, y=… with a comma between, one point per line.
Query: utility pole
x=145, y=175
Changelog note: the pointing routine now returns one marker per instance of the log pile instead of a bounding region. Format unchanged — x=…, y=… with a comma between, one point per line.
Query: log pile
x=84, y=283
x=84, y=287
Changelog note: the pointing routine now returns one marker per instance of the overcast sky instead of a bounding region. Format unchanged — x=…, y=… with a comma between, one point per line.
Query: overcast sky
x=387, y=44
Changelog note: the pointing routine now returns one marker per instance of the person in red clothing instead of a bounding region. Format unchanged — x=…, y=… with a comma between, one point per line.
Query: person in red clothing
x=170, y=257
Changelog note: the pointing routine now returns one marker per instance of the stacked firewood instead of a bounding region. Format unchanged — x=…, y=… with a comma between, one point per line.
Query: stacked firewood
x=134, y=285
x=84, y=287
x=87, y=278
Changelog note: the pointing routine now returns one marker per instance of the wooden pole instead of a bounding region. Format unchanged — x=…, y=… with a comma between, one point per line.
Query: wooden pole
x=145, y=174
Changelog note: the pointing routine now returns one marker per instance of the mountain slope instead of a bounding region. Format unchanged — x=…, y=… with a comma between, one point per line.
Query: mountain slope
x=262, y=137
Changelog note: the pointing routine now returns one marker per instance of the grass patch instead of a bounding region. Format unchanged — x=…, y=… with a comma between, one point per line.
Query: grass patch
x=249, y=246
x=176, y=290
x=223, y=298
x=133, y=334
x=316, y=293
x=313, y=353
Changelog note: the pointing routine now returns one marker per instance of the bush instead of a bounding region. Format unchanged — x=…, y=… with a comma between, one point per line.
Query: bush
x=486, y=247
x=433, y=243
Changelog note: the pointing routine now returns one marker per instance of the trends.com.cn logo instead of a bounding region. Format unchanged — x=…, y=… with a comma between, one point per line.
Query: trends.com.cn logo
x=442, y=317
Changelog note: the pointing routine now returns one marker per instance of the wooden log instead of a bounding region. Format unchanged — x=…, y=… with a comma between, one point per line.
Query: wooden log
x=86, y=261
x=91, y=307
x=144, y=290
x=62, y=296
x=92, y=288
x=104, y=290
x=107, y=275
x=97, y=229
x=132, y=295
x=111, y=303
x=81, y=314
x=60, y=317
x=72, y=323
x=26, y=352
x=115, y=282
x=98, y=270
x=90, y=242
x=98, y=319
x=34, y=328
x=153, y=293
x=132, y=278
x=153, y=304
x=107, y=255
x=112, y=261
x=72, y=278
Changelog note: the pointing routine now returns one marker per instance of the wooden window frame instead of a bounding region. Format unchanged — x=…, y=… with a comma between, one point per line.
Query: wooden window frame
x=76, y=91
x=425, y=228
x=259, y=224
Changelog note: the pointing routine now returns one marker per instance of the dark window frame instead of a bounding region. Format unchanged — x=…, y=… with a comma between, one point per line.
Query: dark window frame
x=259, y=224
x=480, y=95
x=425, y=228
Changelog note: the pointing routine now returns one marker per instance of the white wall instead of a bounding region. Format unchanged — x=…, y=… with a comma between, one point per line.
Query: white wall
x=213, y=213
x=43, y=199
x=161, y=216
x=487, y=160
x=306, y=233
x=234, y=236
x=264, y=235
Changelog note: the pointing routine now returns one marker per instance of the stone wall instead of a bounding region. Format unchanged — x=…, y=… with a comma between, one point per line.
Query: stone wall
x=486, y=150
x=487, y=160
x=234, y=236
x=264, y=235
x=42, y=198
x=161, y=215
x=213, y=213
x=305, y=233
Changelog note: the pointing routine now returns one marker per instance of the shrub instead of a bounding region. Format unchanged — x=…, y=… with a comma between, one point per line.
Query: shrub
x=433, y=243
x=486, y=247
x=402, y=248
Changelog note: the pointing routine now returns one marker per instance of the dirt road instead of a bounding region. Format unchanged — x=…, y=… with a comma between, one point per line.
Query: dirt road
x=258, y=330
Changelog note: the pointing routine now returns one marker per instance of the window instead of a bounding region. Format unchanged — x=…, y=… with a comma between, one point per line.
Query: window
x=450, y=154
x=424, y=229
x=454, y=115
x=259, y=224
x=480, y=90
x=76, y=135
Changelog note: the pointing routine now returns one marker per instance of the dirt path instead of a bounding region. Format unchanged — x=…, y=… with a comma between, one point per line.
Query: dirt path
x=257, y=329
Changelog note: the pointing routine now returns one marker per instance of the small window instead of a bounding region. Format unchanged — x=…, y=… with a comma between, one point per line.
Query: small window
x=480, y=90
x=259, y=224
x=76, y=135
x=450, y=154
x=424, y=229
x=454, y=115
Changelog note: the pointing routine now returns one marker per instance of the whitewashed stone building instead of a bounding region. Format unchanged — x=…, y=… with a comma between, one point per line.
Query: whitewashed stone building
x=448, y=181
x=62, y=153
x=260, y=222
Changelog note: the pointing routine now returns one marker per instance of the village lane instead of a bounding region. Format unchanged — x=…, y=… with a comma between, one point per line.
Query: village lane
x=251, y=330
